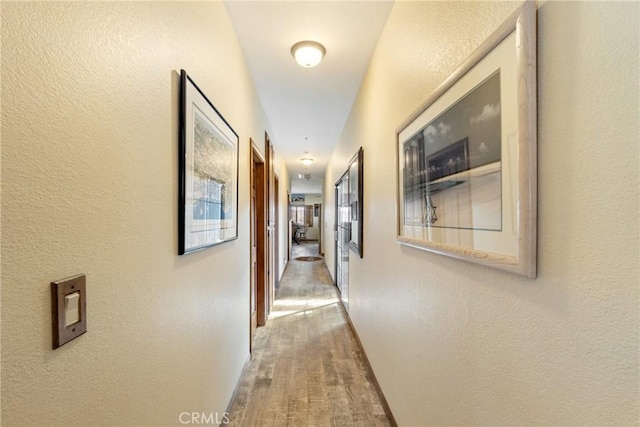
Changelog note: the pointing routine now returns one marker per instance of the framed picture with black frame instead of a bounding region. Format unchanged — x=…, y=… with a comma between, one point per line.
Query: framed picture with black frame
x=356, y=185
x=208, y=172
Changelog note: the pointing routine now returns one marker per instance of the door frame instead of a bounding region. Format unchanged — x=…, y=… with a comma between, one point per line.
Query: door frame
x=339, y=258
x=335, y=237
x=289, y=226
x=320, y=228
x=271, y=203
x=276, y=230
x=258, y=215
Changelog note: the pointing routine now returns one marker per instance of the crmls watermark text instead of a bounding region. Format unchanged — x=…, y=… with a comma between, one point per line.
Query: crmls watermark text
x=204, y=418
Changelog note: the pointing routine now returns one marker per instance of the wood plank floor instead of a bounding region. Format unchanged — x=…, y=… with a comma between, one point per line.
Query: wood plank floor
x=307, y=368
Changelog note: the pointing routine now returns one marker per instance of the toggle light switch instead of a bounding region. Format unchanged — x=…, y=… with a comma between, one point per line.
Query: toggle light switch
x=72, y=308
x=68, y=309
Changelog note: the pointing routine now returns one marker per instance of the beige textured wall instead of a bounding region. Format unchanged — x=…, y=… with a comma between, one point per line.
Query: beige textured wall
x=89, y=185
x=453, y=343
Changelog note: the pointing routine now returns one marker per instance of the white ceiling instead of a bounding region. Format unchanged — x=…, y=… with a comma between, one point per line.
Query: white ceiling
x=307, y=107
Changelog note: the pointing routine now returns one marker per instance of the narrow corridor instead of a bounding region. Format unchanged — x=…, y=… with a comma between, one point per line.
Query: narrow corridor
x=307, y=368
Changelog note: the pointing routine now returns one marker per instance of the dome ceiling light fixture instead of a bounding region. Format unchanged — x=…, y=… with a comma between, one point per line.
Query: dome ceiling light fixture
x=308, y=53
x=306, y=161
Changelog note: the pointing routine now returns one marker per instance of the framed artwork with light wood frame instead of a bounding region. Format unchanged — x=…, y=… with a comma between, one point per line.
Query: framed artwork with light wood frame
x=467, y=158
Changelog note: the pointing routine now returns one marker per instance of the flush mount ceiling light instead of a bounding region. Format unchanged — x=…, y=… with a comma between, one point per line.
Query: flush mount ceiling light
x=308, y=53
x=306, y=161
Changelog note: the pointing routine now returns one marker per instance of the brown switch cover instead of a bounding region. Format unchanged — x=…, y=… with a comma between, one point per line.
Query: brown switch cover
x=62, y=334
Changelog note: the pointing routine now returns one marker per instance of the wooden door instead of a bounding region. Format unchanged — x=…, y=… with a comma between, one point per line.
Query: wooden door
x=253, y=305
x=258, y=288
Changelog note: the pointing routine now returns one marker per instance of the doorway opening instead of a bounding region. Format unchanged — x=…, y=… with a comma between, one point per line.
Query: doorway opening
x=305, y=212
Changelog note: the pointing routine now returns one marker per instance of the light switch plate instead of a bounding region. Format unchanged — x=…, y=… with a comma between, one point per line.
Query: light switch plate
x=60, y=290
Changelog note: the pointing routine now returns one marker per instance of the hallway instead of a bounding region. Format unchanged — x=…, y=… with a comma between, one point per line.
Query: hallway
x=307, y=368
